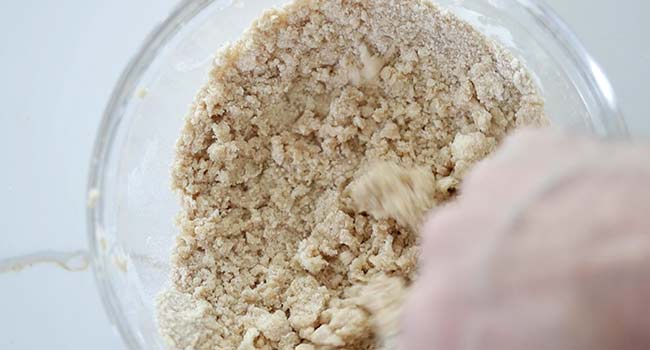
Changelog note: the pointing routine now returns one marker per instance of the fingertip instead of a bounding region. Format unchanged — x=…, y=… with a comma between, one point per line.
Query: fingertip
x=437, y=222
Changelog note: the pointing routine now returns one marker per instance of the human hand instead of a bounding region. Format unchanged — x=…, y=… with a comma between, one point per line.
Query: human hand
x=547, y=247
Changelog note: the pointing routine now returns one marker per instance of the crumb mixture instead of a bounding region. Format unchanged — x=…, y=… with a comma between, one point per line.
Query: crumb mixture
x=281, y=238
x=388, y=191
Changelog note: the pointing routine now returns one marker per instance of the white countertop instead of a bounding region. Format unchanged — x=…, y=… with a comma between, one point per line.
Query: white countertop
x=58, y=63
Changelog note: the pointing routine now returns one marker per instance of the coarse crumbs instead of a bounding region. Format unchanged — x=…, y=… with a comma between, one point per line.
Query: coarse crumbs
x=273, y=252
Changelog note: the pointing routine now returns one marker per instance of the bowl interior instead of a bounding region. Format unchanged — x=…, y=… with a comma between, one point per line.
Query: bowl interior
x=132, y=226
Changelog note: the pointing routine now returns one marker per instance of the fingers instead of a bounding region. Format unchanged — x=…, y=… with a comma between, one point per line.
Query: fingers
x=454, y=232
x=571, y=271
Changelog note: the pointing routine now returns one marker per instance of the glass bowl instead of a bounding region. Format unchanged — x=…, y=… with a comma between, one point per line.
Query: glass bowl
x=130, y=216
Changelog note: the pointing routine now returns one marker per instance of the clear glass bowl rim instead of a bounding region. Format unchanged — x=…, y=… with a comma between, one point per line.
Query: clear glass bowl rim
x=187, y=10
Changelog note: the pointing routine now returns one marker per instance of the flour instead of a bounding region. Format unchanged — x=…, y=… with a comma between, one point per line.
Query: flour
x=276, y=251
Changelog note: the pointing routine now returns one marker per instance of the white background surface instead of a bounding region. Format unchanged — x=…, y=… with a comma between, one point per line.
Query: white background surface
x=58, y=63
